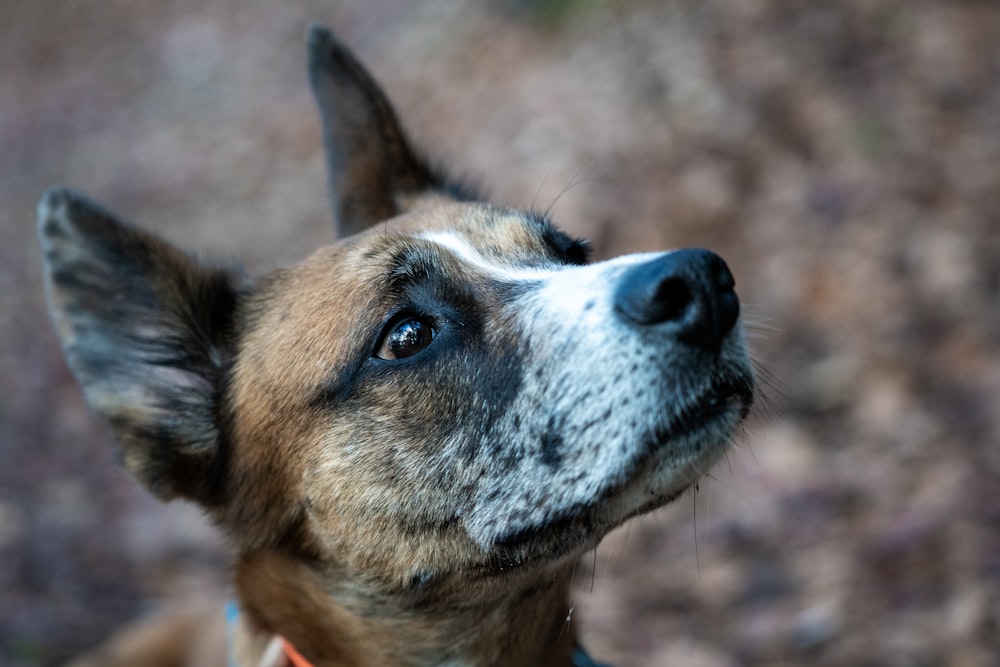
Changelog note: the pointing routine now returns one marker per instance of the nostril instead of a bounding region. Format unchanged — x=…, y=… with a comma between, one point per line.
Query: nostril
x=672, y=300
x=724, y=280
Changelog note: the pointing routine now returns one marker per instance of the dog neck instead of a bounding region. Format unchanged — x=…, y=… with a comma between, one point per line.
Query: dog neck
x=282, y=597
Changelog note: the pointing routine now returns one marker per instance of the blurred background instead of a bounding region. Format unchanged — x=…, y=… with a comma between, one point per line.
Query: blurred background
x=844, y=157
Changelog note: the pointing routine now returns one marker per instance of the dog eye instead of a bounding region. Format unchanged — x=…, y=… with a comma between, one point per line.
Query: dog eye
x=405, y=339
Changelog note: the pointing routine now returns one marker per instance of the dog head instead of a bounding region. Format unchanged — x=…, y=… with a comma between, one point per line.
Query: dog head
x=448, y=397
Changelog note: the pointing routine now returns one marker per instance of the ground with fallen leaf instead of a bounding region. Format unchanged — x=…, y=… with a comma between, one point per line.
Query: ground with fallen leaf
x=844, y=158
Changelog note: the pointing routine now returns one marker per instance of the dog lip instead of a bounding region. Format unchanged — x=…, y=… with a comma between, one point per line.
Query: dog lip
x=585, y=520
x=719, y=399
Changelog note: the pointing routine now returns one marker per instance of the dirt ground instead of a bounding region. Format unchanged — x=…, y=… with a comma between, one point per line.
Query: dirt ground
x=844, y=157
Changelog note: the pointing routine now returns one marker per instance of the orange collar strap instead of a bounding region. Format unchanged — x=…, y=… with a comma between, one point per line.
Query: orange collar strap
x=294, y=657
x=580, y=657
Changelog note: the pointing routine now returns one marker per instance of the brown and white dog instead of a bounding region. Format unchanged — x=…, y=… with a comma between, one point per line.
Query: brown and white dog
x=409, y=437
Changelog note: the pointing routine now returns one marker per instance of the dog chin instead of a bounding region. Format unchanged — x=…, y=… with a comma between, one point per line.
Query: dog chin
x=672, y=459
x=677, y=458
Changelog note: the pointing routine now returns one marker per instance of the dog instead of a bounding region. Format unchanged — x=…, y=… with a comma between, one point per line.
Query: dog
x=409, y=437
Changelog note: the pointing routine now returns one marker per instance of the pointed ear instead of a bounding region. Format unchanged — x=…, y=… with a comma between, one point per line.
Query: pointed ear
x=148, y=333
x=371, y=166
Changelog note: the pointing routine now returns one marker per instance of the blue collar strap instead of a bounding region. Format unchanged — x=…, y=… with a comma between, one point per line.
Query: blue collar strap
x=232, y=614
x=581, y=659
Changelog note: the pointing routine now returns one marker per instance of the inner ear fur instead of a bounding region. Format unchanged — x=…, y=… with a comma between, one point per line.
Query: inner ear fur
x=372, y=168
x=148, y=332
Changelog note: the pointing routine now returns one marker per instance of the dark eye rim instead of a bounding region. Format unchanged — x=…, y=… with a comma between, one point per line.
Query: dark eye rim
x=392, y=324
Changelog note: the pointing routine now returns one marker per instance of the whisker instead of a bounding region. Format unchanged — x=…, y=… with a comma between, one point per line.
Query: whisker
x=764, y=405
x=761, y=322
x=593, y=569
x=729, y=462
x=569, y=617
x=694, y=516
x=767, y=376
x=541, y=186
x=614, y=565
x=573, y=182
x=745, y=452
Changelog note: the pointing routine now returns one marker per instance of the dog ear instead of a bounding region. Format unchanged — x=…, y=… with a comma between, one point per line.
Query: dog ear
x=371, y=166
x=147, y=332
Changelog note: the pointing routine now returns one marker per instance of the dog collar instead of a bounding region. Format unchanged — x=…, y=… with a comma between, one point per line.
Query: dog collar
x=581, y=659
x=292, y=657
x=295, y=659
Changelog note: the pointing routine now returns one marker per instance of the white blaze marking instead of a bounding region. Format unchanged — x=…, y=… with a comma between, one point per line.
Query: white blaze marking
x=563, y=290
x=464, y=251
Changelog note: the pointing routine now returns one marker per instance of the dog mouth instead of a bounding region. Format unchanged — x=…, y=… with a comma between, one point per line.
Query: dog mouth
x=689, y=442
x=723, y=397
x=677, y=451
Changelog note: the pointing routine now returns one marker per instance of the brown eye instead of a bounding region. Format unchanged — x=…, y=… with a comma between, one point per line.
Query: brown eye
x=405, y=339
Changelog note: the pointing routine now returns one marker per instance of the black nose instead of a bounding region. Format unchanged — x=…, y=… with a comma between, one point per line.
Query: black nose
x=687, y=292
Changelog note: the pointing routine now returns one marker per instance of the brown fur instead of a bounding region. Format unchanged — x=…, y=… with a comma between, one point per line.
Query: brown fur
x=368, y=503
